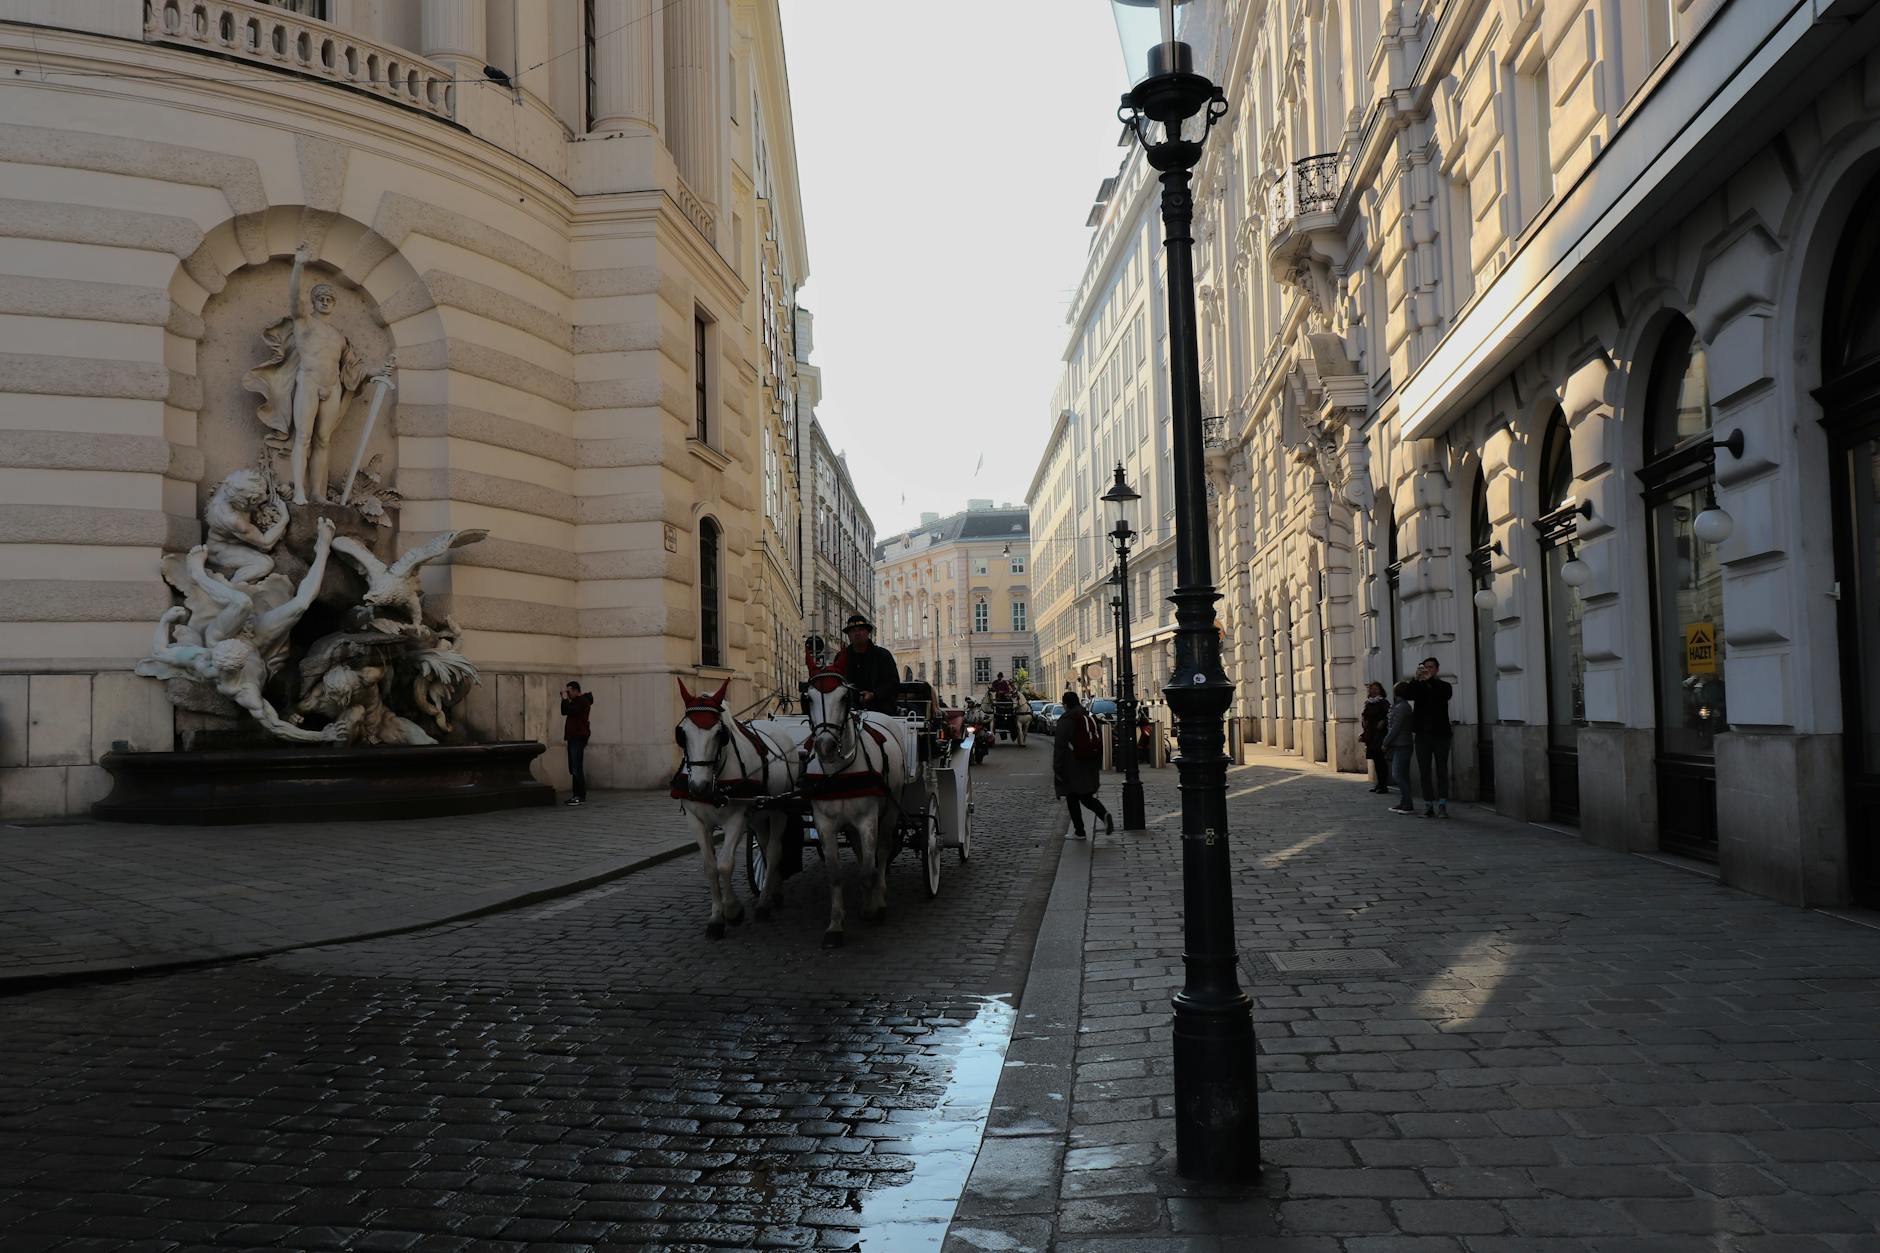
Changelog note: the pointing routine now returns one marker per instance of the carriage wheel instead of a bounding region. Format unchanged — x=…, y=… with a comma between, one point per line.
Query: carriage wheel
x=930, y=848
x=756, y=866
x=966, y=834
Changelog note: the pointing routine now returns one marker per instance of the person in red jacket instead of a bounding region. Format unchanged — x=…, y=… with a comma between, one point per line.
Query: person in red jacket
x=575, y=705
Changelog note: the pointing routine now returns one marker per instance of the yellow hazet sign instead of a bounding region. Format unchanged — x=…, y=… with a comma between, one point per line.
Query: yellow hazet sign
x=1700, y=648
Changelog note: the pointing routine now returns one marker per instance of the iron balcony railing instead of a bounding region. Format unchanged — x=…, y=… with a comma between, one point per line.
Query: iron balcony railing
x=1311, y=186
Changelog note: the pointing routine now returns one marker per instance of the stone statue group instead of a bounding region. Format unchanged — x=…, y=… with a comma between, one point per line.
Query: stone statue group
x=385, y=675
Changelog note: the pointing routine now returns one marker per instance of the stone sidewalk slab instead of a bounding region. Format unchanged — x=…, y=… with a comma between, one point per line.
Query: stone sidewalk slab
x=1476, y=1035
x=85, y=900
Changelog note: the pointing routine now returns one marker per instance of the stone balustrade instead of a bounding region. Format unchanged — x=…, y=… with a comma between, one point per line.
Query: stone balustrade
x=284, y=40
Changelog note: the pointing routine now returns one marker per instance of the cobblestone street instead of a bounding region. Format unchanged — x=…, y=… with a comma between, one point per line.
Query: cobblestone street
x=591, y=1072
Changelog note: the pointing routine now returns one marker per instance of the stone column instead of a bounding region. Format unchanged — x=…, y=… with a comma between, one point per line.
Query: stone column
x=692, y=113
x=627, y=64
x=455, y=32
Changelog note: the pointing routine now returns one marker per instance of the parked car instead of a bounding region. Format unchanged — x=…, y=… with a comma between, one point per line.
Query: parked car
x=1054, y=713
x=1043, y=720
x=1102, y=708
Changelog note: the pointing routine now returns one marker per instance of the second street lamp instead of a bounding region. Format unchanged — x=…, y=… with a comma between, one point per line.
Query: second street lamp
x=1118, y=503
x=1170, y=109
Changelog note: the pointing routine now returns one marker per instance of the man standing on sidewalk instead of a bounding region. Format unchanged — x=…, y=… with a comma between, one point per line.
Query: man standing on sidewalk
x=575, y=705
x=1430, y=696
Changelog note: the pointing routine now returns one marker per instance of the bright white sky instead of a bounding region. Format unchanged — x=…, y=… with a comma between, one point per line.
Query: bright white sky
x=948, y=157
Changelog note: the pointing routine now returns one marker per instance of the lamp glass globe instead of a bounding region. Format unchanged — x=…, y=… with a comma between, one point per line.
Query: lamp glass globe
x=1486, y=599
x=1574, y=573
x=1713, y=525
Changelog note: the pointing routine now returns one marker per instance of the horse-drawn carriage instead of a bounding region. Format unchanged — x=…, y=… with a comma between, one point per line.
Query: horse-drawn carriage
x=1011, y=717
x=779, y=785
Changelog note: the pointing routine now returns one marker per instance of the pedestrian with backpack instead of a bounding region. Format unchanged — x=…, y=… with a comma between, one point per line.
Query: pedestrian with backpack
x=1077, y=764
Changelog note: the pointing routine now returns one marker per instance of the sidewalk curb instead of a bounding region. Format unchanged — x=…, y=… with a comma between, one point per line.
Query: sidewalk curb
x=1011, y=1196
x=368, y=927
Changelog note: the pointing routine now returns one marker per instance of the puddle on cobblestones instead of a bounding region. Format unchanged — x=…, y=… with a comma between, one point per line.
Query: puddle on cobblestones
x=942, y=1141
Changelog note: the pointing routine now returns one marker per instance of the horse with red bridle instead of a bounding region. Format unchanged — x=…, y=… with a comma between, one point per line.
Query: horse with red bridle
x=729, y=767
x=855, y=771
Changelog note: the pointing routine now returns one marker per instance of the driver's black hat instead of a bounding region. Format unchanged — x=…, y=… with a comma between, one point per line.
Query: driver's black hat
x=857, y=620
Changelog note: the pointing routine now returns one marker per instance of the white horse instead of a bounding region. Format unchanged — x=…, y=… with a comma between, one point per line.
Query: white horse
x=728, y=765
x=853, y=778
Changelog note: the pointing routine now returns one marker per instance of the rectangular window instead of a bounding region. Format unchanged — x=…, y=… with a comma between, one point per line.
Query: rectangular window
x=1018, y=615
x=1533, y=154
x=982, y=617
x=982, y=669
x=1020, y=663
x=1018, y=565
x=701, y=377
x=587, y=59
x=982, y=565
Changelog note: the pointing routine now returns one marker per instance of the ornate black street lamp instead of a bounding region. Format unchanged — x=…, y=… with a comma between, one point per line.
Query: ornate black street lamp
x=1171, y=109
x=1117, y=502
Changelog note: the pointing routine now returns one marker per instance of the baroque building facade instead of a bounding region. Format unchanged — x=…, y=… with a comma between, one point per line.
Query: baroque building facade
x=1501, y=301
x=570, y=234
x=1109, y=411
x=839, y=573
x=955, y=599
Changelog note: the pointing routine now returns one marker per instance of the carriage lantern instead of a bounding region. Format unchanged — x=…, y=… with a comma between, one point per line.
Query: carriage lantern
x=1118, y=503
x=1170, y=109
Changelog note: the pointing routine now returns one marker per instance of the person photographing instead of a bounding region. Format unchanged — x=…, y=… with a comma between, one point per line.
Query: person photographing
x=575, y=705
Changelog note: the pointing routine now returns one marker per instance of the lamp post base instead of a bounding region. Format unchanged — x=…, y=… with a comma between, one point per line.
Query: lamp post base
x=1217, y=1102
x=1135, y=816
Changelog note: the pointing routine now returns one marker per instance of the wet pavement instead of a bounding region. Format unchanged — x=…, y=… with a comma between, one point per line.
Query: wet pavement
x=588, y=1073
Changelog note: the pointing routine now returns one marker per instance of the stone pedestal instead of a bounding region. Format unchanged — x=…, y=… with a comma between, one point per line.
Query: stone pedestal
x=1521, y=784
x=294, y=784
x=1781, y=817
x=1619, y=788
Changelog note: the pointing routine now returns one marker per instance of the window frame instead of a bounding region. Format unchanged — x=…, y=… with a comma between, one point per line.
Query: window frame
x=711, y=543
x=704, y=382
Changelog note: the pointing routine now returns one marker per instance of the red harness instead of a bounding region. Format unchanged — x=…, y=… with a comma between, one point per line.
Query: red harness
x=851, y=784
x=735, y=789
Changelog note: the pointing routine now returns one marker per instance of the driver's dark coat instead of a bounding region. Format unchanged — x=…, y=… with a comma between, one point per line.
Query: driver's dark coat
x=873, y=671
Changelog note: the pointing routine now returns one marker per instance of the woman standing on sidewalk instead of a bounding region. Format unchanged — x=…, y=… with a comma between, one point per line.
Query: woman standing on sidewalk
x=1375, y=722
x=1077, y=764
x=1400, y=743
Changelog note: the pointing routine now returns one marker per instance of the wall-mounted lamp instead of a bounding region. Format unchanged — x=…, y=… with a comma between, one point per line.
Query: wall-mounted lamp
x=1574, y=572
x=1485, y=597
x=1714, y=525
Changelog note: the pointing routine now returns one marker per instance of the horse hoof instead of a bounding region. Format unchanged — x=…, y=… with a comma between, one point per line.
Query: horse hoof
x=762, y=912
x=737, y=919
x=716, y=930
x=833, y=939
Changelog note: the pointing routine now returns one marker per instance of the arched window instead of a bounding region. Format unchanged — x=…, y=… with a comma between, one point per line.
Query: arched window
x=1566, y=649
x=1687, y=593
x=1487, y=675
x=1850, y=405
x=710, y=563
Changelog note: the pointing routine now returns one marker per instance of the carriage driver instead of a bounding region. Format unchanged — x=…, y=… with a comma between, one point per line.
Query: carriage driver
x=870, y=667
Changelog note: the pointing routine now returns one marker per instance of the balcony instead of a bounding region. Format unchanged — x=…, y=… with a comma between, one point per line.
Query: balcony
x=1302, y=214
x=280, y=39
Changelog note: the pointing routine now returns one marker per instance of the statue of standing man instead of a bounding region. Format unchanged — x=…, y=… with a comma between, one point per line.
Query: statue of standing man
x=308, y=381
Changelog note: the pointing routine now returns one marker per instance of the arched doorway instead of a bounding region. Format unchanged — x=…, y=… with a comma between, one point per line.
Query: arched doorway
x=1482, y=549
x=1559, y=528
x=1850, y=402
x=1687, y=594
